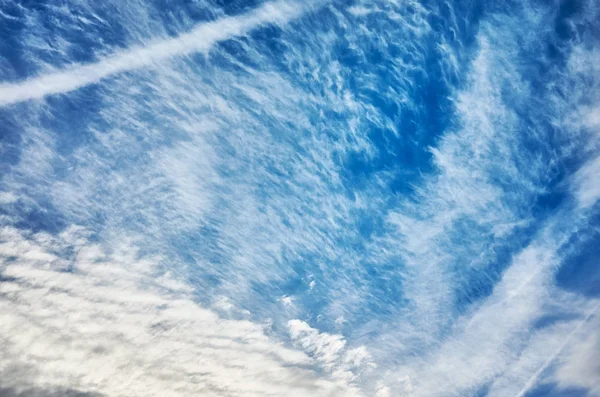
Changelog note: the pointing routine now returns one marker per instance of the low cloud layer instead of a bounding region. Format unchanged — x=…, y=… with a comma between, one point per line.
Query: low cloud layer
x=106, y=323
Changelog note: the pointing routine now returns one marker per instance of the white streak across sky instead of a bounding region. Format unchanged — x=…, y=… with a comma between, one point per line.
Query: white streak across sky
x=364, y=198
x=200, y=39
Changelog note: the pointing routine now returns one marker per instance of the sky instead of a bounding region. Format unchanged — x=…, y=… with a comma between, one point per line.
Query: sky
x=327, y=198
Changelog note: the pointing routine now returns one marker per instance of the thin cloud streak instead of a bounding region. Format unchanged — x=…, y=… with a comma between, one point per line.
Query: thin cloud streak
x=534, y=379
x=202, y=38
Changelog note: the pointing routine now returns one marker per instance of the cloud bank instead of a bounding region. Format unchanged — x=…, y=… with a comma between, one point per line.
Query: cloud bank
x=108, y=324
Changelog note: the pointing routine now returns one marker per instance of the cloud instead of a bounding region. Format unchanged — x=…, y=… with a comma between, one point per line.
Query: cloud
x=111, y=323
x=4, y=392
x=475, y=205
x=226, y=180
x=591, y=372
x=579, y=366
x=586, y=187
x=201, y=38
x=330, y=350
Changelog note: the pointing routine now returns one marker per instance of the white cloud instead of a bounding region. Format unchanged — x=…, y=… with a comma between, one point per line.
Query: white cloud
x=7, y=198
x=580, y=366
x=201, y=38
x=460, y=213
x=331, y=351
x=232, y=169
x=109, y=323
x=587, y=183
x=287, y=301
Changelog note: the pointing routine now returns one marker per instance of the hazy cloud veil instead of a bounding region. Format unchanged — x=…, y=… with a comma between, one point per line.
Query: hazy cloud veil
x=299, y=198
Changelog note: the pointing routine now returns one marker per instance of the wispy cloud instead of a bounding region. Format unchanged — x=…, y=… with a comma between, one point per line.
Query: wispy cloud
x=200, y=39
x=259, y=181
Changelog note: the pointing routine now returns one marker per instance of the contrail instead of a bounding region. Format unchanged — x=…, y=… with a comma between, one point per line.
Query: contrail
x=201, y=38
x=533, y=380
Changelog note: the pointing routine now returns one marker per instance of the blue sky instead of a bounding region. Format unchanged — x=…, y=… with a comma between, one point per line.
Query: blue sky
x=335, y=198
